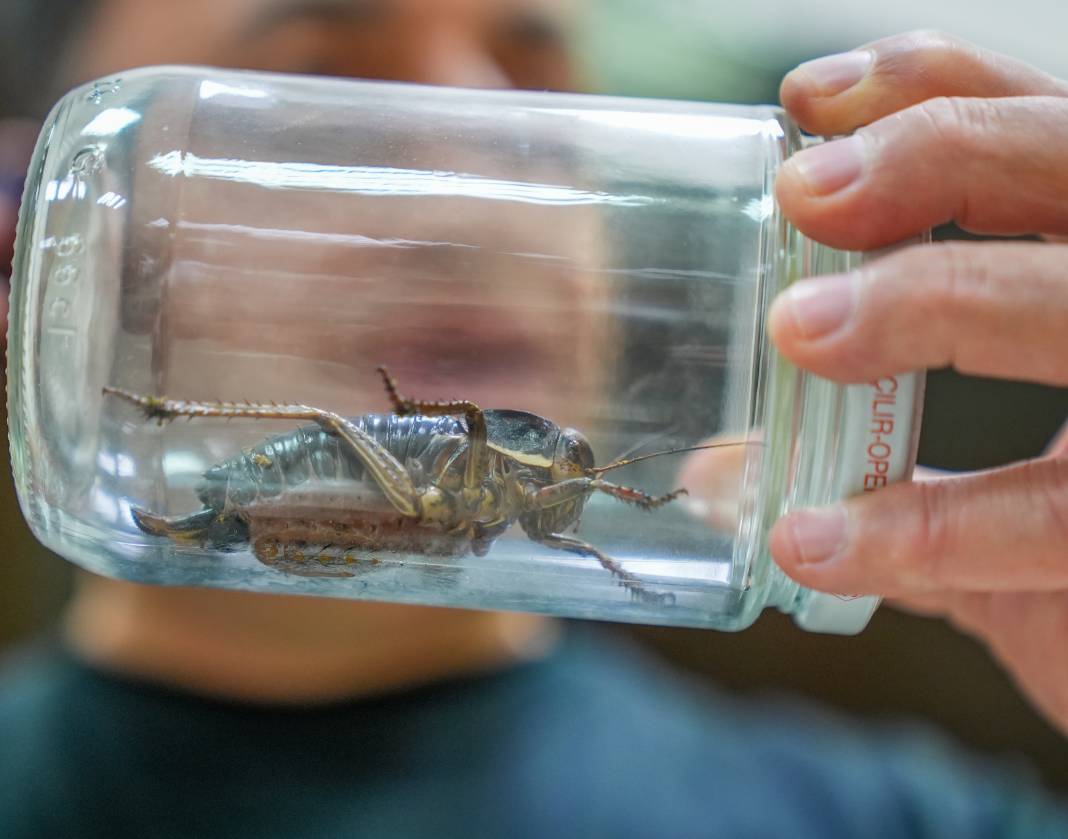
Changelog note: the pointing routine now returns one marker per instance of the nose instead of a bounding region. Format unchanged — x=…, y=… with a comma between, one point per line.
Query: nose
x=452, y=58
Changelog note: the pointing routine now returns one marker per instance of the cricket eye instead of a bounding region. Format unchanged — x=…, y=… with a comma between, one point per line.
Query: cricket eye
x=579, y=451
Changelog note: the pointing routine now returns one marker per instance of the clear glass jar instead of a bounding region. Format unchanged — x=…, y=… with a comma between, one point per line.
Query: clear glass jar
x=571, y=262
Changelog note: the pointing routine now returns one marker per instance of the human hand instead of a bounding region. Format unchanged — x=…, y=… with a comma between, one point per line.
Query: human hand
x=950, y=133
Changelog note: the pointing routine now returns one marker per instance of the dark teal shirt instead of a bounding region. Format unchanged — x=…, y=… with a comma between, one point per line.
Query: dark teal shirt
x=594, y=741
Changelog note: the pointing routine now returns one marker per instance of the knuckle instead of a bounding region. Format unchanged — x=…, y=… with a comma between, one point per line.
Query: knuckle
x=958, y=273
x=934, y=539
x=927, y=41
x=931, y=292
x=962, y=131
x=961, y=279
x=938, y=286
x=916, y=55
x=926, y=50
x=1049, y=482
x=960, y=123
x=949, y=119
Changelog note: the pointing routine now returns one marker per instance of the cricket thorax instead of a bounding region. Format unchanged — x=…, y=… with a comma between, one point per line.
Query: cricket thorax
x=556, y=519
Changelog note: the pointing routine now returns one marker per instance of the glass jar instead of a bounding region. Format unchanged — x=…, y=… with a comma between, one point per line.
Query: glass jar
x=591, y=274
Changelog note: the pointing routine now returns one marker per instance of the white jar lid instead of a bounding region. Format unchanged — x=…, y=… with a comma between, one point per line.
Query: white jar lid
x=881, y=429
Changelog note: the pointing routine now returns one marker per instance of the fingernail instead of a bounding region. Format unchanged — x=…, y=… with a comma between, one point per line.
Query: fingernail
x=834, y=73
x=832, y=166
x=818, y=534
x=820, y=305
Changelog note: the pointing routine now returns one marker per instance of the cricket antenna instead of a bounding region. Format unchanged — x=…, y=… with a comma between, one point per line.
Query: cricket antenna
x=641, y=444
x=600, y=470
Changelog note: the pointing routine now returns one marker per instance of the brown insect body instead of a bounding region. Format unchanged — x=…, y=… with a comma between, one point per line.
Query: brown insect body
x=431, y=478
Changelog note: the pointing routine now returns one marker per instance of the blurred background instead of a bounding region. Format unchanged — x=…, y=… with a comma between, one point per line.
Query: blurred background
x=902, y=666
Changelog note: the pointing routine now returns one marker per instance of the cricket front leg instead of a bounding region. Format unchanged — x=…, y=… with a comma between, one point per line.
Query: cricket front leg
x=630, y=582
x=573, y=488
x=392, y=478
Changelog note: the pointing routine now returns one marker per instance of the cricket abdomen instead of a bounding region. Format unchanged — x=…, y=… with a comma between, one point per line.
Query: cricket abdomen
x=310, y=456
x=339, y=545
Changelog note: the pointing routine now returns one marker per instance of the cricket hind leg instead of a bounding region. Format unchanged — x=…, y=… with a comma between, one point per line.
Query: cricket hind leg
x=477, y=437
x=390, y=476
x=631, y=582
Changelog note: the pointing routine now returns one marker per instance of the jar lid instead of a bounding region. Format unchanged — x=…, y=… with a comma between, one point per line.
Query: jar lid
x=881, y=427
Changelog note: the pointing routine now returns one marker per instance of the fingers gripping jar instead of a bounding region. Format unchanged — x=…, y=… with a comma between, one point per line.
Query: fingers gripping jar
x=425, y=345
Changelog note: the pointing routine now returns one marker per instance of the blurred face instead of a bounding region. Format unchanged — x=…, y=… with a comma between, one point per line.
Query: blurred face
x=467, y=328
x=468, y=43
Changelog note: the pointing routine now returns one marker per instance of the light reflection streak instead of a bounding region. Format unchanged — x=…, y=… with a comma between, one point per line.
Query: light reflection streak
x=759, y=209
x=210, y=89
x=64, y=189
x=272, y=234
x=110, y=122
x=382, y=181
x=659, y=568
x=694, y=126
x=182, y=463
x=112, y=200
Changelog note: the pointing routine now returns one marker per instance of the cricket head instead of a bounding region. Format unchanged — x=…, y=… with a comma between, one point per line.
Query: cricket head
x=573, y=457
